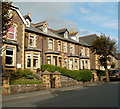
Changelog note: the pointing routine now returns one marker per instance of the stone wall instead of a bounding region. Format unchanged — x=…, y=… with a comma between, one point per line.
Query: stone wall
x=27, y=88
x=66, y=81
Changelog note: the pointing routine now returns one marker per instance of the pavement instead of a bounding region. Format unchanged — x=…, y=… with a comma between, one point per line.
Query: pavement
x=48, y=91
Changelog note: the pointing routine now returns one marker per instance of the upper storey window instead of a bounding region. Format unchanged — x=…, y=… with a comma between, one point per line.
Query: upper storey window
x=59, y=45
x=83, y=52
x=32, y=41
x=72, y=49
x=11, y=33
x=50, y=45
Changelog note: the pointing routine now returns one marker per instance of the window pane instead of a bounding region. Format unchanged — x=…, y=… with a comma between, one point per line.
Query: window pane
x=32, y=40
x=48, y=60
x=50, y=43
x=11, y=36
x=9, y=51
x=35, y=61
x=28, y=61
x=9, y=60
x=11, y=29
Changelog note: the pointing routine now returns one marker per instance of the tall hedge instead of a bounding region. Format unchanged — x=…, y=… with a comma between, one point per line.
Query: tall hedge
x=79, y=75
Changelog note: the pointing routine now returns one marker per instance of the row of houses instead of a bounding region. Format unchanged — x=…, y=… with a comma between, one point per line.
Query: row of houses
x=29, y=45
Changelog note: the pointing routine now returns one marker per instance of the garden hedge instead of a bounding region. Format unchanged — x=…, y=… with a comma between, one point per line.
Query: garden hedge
x=79, y=75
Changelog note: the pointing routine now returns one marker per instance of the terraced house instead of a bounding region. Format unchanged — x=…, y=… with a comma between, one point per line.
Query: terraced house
x=30, y=45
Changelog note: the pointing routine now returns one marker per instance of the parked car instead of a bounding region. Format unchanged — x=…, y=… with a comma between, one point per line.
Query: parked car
x=114, y=74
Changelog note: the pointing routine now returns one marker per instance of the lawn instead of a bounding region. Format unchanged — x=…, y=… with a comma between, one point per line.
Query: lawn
x=24, y=81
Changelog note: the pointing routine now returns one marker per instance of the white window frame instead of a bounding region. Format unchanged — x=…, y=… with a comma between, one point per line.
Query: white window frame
x=37, y=55
x=48, y=59
x=72, y=49
x=59, y=45
x=13, y=49
x=28, y=54
x=71, y=64
x=82, y=51
x=64, y=47
x=45, y=29
x=33, y=39
x=87, y=52
x=14, y=33
x=50, y=44
x=65, y=63
x=76, y=64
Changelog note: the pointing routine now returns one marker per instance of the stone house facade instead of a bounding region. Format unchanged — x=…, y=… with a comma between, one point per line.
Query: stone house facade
x=94, y=60
x=30, y=45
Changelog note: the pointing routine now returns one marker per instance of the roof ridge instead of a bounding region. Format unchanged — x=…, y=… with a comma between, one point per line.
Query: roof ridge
x=39, y=23
x=87, y=35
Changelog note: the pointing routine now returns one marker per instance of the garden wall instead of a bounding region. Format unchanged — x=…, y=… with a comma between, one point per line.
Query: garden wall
x=66, y=81
x=27, y=88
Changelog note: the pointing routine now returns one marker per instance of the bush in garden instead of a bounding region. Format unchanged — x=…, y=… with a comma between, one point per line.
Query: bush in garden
x=79, y=75
x=101, y=73
x=26, y=73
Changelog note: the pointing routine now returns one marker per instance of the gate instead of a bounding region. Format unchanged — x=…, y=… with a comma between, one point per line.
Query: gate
x=52, y=81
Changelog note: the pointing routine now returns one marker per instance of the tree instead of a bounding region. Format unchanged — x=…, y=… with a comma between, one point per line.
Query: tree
x=104, y=47
x=6, y=18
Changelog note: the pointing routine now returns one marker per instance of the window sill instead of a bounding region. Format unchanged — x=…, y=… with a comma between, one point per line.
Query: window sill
x=12, y=66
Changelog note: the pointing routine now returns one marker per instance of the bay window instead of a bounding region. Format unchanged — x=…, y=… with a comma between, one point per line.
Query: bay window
x=32, y=60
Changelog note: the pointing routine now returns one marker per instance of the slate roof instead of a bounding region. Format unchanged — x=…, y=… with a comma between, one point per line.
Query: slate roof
x=54, y=34
x=73, y=33
x=89, y=38
x=39, y=24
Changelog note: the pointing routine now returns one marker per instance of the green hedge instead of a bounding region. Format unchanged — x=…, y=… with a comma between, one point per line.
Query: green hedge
x=24, y=81
x=79, y=75
x=101, y=73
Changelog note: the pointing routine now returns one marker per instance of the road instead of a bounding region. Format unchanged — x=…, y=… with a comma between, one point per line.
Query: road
x=103, y=95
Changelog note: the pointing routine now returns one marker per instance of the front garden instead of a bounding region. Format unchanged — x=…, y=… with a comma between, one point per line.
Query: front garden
x=79, y=75
x=23, y=77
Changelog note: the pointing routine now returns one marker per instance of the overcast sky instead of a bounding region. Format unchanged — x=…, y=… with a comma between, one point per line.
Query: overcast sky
x=85, y=17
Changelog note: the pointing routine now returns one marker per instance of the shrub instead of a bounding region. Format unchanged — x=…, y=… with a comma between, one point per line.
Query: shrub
x=26, y=73
x=101, y=73
x=79, y=75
